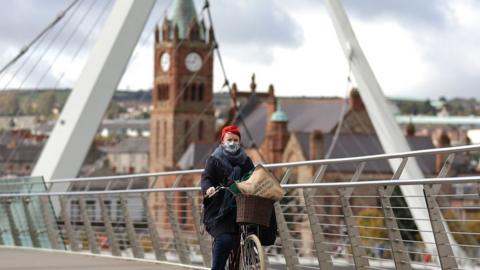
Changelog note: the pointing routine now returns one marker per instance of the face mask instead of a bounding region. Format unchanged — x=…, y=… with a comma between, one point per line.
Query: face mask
x=231, y=147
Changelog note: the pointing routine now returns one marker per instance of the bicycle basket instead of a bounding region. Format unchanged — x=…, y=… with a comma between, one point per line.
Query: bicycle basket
x=253, y=209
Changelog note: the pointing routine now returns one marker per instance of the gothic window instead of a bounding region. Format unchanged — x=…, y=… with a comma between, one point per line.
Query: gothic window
x=157, y=144
x=193, y=92
x=164, y=138
x=186, y=134
x=185, y=91
x=201, y=90
x=200, y=130
x=162, y=91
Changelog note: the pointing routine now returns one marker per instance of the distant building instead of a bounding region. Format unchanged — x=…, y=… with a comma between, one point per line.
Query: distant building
x=129, y=156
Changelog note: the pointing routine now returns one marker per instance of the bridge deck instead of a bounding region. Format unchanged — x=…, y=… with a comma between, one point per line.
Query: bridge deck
x=26, y=259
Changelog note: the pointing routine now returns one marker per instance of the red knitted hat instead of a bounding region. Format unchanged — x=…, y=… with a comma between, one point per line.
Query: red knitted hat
x=232, y=129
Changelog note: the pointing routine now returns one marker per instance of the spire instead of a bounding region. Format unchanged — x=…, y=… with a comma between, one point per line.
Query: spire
x=183, y=14
x=253, y=85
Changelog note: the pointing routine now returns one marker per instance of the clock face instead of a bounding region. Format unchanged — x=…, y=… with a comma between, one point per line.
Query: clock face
x=193, y=61
x=165, y=61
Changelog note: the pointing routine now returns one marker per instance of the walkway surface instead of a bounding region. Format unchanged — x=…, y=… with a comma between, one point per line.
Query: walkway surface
x=28, y=259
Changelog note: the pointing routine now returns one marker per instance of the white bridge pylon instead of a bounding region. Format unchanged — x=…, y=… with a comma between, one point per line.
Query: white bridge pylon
x=386, y=127
x=72, y=136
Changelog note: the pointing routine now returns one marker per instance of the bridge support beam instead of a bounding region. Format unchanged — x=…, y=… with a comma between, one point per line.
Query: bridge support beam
x=288, y=247
x=14, y=231
x=135, y=244
x=205, y=247
x=154, y=237
x=30, y=223
x=112, y=239
x=400, y=256
x=359, y=254
x=87, y=226
x=75, y=129
x=67, y=224
x=323, y=257
x=50, y=222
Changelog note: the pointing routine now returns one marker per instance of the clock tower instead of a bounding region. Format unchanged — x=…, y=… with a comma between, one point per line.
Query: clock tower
x=182, y=96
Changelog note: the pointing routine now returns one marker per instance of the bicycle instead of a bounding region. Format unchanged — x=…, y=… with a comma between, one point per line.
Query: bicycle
x=250, y=254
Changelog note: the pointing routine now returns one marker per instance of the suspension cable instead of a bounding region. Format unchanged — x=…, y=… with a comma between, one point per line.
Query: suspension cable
x=40, y=35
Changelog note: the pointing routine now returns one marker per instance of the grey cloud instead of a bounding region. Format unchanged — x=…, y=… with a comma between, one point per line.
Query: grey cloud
x=263, y=23
x=422, y=12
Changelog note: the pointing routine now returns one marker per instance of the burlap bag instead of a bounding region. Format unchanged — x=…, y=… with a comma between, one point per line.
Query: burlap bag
x=262, y=183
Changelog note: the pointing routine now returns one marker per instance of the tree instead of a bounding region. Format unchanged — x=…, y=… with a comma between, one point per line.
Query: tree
x=9, y=103
x=45, y=103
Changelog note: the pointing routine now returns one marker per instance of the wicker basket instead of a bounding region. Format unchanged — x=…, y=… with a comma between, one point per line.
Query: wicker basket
x=253, y=209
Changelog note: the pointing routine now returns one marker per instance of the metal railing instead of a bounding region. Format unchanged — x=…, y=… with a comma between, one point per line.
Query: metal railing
x=336, y=213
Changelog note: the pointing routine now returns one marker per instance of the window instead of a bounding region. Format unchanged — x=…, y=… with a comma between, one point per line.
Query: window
x=200, y=130
x=162, y=91
x=186, y=91
x=165, y=138
x=187, y=137
x=201, y=90
x=157, y=144
x=193, y=92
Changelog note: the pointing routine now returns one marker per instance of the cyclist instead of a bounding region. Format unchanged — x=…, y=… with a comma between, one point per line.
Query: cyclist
x=227, y=163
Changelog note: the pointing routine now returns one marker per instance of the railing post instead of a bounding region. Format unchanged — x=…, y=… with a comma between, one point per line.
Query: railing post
x=400, y=256
x=444, y=248
x=31, y=226
x=359, y=254
x=205, y=247
x=180, y=246
x=137, y=249
x=49, y=220
x=7, y=205
x=2, y=242
x=112, y=239
x=92, y=241
x=72, y=240
x=324, y=259
x=288, y=248
x=157, y=247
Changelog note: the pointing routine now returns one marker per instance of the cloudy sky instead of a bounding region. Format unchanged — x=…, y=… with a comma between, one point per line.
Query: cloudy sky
x=419, y=48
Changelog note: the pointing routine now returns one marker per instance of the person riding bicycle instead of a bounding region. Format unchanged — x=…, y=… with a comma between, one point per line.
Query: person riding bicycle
x=227, y=163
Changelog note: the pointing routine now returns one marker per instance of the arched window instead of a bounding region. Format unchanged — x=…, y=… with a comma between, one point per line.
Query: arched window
x=200, y=130
x=186, y=91
x=193, y=92
x=158, y=139
x=165, y=138
x=201, y=90
x=186, y=135
x=162, y=91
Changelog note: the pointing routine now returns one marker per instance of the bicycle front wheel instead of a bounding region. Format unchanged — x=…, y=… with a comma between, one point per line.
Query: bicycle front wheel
x=252, y=256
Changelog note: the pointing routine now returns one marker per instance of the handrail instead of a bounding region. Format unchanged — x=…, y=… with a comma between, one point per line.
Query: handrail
x=454, y=149
x=432, y=181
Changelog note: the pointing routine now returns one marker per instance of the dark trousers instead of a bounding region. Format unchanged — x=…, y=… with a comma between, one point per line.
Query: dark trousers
x=222, y=245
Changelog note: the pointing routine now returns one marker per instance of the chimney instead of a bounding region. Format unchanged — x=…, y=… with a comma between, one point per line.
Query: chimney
x=316, y=145
x=443, y=141
x=410, y=129
x=355, y=101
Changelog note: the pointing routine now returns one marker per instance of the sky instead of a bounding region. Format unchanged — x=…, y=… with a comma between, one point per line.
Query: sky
x=418, y=49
